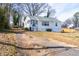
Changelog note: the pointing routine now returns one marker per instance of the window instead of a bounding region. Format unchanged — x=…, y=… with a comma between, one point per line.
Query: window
x=34, y=22
x=56, y=24
x=45, y=23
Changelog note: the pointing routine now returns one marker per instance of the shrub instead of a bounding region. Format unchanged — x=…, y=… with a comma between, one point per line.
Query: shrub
x=26, y=29
x=65, y=30
x=3, y=19
x=49, y=30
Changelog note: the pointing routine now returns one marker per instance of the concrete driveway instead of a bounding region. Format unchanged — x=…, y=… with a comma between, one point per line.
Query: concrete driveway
x=56, y=48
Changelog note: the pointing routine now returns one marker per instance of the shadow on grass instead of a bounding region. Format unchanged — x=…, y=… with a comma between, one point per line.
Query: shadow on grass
x=10, y=31
x=54, y=47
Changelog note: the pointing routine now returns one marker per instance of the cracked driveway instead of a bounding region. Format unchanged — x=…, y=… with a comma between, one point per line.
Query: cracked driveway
x=57, y=48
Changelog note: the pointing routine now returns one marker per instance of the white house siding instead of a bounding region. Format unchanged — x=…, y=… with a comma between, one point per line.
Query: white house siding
x=21, y=21
x=52, y=25
x=11, y=21
x=56, y=28
x=43, y=28
x=27, y=22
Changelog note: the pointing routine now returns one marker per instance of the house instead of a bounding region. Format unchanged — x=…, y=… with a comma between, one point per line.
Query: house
x=70, y=26
x=11, y=21
x=10, y=18
x=37, y=23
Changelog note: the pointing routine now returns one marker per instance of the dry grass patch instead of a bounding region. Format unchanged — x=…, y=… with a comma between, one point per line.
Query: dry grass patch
x=70, y=38
x=7, y=50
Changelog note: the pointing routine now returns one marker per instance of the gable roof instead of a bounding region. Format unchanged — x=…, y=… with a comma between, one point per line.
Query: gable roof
x=44, y=18
x=48, y=19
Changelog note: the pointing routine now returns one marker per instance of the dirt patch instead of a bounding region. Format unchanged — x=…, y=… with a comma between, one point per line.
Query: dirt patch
x=7, y=50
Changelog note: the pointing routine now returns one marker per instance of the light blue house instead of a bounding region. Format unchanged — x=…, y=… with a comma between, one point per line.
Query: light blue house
x=35, y=23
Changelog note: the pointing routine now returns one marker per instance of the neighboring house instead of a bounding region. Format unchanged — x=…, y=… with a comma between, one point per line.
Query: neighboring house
x=70, y=26
x=35, y=23
x=10, y=18
x=11, y=23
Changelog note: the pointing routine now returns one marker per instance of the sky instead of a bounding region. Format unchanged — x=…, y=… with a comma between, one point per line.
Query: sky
x=65, y=10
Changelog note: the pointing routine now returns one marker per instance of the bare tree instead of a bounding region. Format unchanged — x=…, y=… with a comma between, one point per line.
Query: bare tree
x=50, y=11
x=68, y=22
x=76, y=19
x=33, y=9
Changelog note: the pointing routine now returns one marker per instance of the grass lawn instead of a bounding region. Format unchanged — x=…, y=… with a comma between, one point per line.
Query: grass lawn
x=70, y=38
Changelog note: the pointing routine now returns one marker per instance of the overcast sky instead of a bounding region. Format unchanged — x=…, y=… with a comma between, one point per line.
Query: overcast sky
x=65, y=10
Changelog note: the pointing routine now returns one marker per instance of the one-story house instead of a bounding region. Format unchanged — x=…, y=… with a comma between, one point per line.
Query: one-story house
x=38, y=23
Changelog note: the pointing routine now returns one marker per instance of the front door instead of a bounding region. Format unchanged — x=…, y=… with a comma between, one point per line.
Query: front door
x=34, y=24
